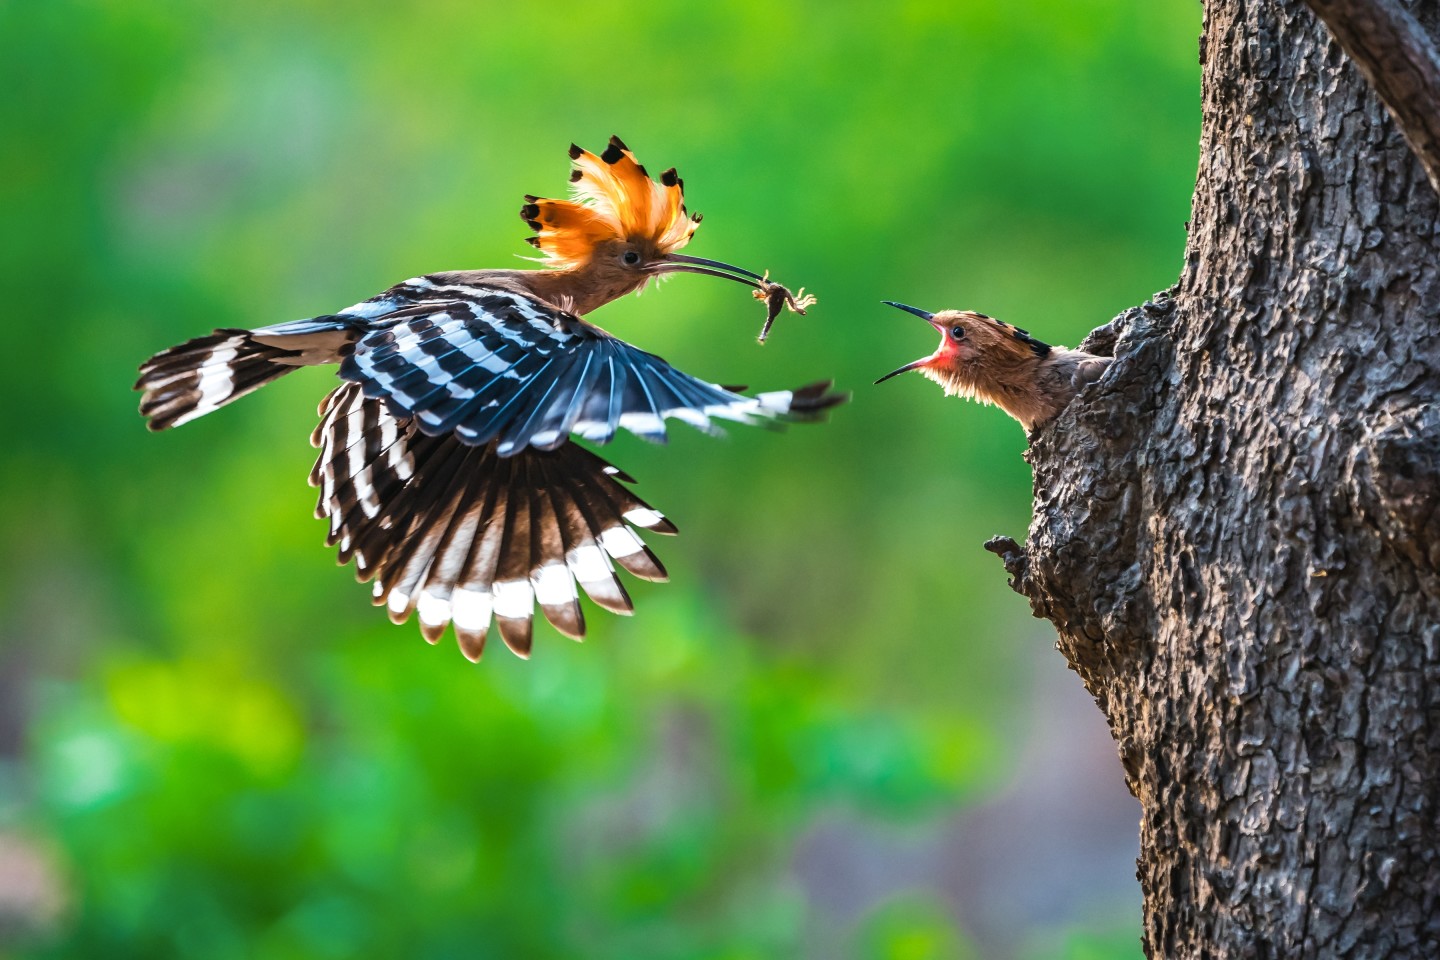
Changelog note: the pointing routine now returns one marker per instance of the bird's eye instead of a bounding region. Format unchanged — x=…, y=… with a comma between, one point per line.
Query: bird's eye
x=630, y=258
x=957, y=333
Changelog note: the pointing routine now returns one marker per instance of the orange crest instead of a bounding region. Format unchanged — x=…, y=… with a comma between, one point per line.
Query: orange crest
x=614, y=199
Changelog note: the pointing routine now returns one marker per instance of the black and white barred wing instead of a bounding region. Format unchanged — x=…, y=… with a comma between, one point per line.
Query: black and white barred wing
x=458, y=533
x=501, y=367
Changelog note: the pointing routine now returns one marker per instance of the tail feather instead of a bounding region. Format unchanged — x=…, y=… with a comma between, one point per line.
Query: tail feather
x=459, y=534
x=805, y=404
x=204, y=374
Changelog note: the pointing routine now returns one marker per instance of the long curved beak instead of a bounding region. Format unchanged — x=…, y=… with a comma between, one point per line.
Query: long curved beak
x=912, y=365
x=679, y=263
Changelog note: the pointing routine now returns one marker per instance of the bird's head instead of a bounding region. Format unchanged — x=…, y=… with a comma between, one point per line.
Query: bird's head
x=620, y=226
x=973, y=349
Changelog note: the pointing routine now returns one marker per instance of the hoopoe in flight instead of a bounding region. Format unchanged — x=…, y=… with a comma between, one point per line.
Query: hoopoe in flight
x=446, y=467
x=993, y=362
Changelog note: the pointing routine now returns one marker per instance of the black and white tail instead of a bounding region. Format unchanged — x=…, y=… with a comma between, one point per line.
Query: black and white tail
x=206, y=373
x=459, y=534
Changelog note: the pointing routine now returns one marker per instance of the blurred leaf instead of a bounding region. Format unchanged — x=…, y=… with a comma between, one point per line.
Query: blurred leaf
x=912, y=928
x=236, y=756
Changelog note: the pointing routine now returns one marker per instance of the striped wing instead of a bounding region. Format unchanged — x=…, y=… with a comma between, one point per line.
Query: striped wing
x=499, y=367
x=458, y=533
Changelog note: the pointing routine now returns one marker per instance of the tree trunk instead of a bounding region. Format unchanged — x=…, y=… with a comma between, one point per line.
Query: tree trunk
x=1237, y=532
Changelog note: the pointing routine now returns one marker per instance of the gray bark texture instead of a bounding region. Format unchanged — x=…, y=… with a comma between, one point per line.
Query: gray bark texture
x=1237, y=531
x=1394, y=52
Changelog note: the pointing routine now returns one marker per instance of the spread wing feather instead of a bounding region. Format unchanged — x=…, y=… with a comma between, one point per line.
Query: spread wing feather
x=446, y=471
x=460, y=534
x=498, y=366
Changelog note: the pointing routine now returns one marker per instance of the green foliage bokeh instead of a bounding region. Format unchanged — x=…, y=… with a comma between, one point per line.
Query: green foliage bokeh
x=230, y=754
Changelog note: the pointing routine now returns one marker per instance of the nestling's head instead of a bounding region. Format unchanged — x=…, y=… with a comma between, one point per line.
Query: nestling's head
x=620, y=226
x=973, y=348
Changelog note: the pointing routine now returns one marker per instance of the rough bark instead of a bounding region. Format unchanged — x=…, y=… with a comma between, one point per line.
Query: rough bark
x=1237, y=531
x=1395, y=54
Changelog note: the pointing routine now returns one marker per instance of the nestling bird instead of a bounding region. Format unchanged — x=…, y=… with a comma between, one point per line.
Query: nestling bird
x=993, y=362
x=446, y=467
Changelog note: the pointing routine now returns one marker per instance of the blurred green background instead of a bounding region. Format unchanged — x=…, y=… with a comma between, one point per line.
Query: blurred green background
x=835, y=733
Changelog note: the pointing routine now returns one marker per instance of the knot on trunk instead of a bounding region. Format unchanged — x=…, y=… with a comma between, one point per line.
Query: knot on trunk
x=1395, y=482
x=1010, y=554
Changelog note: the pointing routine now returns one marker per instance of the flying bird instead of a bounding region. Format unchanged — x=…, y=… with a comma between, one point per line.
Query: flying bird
x=990, y=361
x=447, y=469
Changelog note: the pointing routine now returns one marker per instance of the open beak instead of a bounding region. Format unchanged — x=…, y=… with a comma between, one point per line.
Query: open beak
x=678, y=263
x=914, y=364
